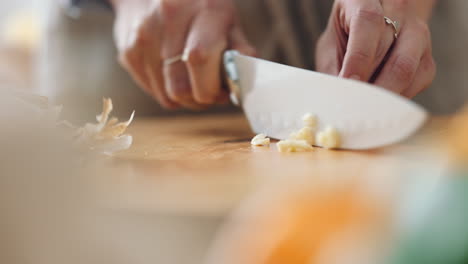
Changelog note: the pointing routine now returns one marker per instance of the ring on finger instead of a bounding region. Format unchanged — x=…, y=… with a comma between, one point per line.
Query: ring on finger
x=181, y=57
x=394, y=24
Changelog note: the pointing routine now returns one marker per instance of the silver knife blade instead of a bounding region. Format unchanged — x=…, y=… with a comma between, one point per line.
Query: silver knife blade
x=274, y=98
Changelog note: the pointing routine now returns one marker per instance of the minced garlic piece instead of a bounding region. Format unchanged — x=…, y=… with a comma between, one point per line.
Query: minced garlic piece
x=329, y=138
x=306, y=133
x=292, y=145
x=310, y=121
x=260, y=140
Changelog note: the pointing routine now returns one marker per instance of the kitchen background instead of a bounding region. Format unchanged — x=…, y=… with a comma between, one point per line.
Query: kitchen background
x=22, y=24
x=21, y=38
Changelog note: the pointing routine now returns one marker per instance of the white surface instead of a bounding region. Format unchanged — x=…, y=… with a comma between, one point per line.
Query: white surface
x=275, y=97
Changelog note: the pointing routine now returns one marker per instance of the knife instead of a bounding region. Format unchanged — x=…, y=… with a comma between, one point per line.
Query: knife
x=274, y=98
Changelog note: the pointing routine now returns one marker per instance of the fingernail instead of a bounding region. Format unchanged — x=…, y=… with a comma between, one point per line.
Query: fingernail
x=355, y=77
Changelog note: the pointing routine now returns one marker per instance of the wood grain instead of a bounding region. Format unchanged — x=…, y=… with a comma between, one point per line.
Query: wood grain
x=206, y=165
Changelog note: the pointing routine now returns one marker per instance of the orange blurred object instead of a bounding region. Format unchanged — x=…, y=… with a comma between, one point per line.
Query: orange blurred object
x=305, y=224
x=458, y=136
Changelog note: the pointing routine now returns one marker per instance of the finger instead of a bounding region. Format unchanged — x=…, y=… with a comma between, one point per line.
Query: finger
x=392, y=11
x=366, y=28
x=205, y=45
x=132, y=61
x=331, y=46
x=399, y=71
x=205, y=49
x=176, y=18
x=424, y=76
x=151, y=44
x=178, y=87
x=156, y=80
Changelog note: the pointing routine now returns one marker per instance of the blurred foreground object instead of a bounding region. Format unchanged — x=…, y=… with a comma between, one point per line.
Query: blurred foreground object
x=422, y=221
x=19, y=44
x=328, y=218
x=53, y=208
x=439, y=234
x=22, y=30
x=457, y=137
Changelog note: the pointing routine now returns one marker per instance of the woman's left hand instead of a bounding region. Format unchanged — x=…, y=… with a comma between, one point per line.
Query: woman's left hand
x=359, y=44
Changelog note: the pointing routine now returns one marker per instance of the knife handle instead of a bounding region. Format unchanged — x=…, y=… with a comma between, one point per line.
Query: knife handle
x=231, y=76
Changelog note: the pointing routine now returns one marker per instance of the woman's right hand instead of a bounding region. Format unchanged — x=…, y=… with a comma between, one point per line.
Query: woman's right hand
x=150, y=32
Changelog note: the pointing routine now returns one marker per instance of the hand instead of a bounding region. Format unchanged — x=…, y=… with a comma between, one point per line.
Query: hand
x=148, y=32
x=358, y=44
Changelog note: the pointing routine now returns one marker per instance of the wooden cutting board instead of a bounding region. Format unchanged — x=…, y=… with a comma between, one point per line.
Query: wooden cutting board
x=206, y=165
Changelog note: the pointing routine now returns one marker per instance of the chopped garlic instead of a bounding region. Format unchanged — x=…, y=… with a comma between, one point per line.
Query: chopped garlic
x=292, y=145
x=310, y=120
x=329, y=138
x=306, y=133
x=260, y=140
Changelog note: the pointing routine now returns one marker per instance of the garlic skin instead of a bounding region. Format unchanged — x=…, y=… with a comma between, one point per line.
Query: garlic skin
x=329, y=138
x=107, y=136
x=292, y=145
x=260, y=140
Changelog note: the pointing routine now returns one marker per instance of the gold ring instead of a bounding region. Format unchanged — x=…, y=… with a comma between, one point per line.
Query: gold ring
x=394, y=24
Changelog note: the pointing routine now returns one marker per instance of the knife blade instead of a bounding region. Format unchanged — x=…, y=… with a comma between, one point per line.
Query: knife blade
x=274, y=98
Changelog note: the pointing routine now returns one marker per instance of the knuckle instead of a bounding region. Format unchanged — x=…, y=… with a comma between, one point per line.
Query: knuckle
x=373, y=14
x=197, y=56
x=421, y=26
x=429, y=64
x=418, y=28
x=423, y=29
x=404, y=68
x=360, y=57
